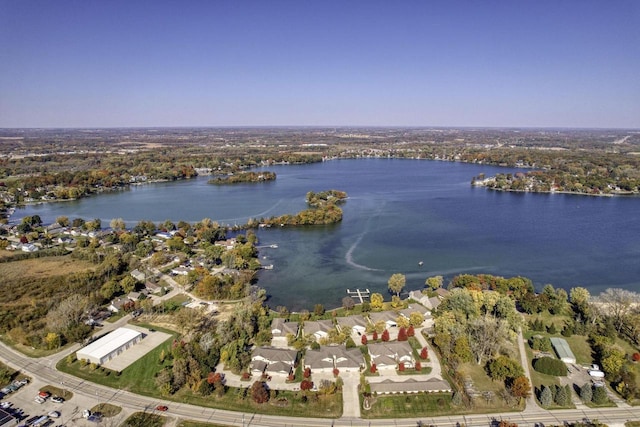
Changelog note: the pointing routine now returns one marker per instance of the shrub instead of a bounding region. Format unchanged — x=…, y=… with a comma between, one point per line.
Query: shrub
x=373, y=368
x=363, y=340
x=424, y=353
x=418, y=366
x=385, y=335
x=550, y=366
x=307, y=372
x=401, y=367
x=635, y=357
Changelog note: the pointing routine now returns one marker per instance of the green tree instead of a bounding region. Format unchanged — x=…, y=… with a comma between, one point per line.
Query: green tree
x=600, y=396
x=396, y=283
x=546, y=396
x=586, y=393
x=63, y=221
x=117, y=224
x=613, y=362
x=434, y=282
x=504, y=367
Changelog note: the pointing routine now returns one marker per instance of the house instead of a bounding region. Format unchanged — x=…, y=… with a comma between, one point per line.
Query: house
x=357, y=324
x=163, y=235
x=390, y=354
x=318, y=328
x=138, y=275
x=116, y=305
x=180, y=271
x=388, y=317
x=280, y=328
x=432, y=385
x=270, y=360
x=29, y=247
x=327, y=358
x=227, y=244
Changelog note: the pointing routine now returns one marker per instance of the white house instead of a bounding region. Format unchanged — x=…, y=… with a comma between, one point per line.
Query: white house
x=390, y=354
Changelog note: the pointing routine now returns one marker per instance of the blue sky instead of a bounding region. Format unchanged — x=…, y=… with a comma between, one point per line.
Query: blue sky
x=273, y=63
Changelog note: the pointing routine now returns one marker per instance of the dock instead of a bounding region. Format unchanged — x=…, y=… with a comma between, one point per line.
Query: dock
x=359, y=294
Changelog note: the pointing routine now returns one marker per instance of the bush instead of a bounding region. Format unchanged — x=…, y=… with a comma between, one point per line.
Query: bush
x=550, y=366
x=635, y=357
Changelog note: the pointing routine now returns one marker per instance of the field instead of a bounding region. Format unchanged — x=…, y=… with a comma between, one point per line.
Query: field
x=39, y=268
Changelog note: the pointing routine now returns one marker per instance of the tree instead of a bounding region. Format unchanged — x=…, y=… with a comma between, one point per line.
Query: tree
x=53, y=340
x=504, y=367
x=617, y=304
x=259, y=392
x=546, y=396
x=373, y=368
x=377, y=301
x=416, y=318
x=424, y=353
x=318, y=309
x=411, y=332
x=396, y=283
x=385, y=335
x=306, y=385
x=402, y=334
x=68, y=313
x=434, y=282
x=418, y=366
x=486, y=335
x=521, y=387
x=613, y=362
x=117, y=224
x=63, y=221
x=348, y=303
x=375, y=335
x=363, y=340
x=586, y=393
x=600, y=396
x=562, y=399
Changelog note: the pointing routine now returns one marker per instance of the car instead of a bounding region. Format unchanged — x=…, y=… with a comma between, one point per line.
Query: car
x=57, y=399
x=86, y=413
x=162, y=408
x=44, y=394
x=39, y=400
x=54, y=414
x=5, y=405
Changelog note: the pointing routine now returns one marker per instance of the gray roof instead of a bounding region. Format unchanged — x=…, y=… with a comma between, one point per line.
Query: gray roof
x=334, y=356
x=316, y=326
x=351, y=321
x=383, y=316
x=561, y=347
x=284, y=327
x=389, y=353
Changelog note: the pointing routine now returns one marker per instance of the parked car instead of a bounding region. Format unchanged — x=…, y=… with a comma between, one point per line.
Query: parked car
x=39, y=400
x=162, y=408
x=5, y=405
x=54, y=414
x=44, y=394
x=57, y=399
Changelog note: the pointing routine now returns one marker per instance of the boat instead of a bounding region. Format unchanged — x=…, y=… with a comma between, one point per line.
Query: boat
x=420, y=263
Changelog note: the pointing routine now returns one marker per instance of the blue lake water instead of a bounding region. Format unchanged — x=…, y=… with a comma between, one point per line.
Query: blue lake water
x=399, y=212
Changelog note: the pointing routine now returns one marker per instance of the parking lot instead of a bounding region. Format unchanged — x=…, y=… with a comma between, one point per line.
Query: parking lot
x=22, y=403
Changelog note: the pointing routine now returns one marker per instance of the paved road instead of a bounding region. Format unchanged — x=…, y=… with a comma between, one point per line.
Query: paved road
x=44, y=370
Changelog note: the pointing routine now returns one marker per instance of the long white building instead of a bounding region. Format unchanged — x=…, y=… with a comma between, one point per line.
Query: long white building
x=109, y=346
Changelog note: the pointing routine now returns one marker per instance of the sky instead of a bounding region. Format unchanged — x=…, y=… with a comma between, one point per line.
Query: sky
x=137, y=63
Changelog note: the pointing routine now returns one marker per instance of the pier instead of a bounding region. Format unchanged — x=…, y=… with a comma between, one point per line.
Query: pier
x=359, y=294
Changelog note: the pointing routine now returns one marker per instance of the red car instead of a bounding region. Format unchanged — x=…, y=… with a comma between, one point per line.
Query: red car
x=44, y=394
x=161, y=408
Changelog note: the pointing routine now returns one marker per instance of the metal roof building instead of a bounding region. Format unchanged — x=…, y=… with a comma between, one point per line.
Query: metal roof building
x=109, y=346
x=561, y=346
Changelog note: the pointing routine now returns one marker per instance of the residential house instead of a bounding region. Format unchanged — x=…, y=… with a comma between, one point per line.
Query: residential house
x=273, y=361
x=329, y=357
x=388, y=317
x=318, y=328
x=357, y=324
x=280, y=328
x=390, y=354
x=138, y=275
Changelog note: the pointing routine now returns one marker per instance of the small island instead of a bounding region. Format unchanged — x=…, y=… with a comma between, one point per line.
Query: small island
x=243, y=177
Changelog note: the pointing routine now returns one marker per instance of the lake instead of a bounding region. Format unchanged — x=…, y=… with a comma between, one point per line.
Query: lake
x=400, y=212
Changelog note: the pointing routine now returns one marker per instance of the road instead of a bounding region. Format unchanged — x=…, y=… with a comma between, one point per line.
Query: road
x=44, y=370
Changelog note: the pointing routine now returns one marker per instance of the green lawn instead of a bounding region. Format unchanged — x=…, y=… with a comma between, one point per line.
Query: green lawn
x=106, y=409
x=581, y=349
x=143, y=419
x=57, y=391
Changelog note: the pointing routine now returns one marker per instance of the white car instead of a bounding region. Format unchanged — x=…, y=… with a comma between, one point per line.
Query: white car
x=5, y=405
x=39, y=400
x=54, y=414
x=57, y=399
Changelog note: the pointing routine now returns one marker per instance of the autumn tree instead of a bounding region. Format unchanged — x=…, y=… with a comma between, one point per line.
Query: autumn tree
x=259, y=392
x=385, y=335
x=377, y=301
x=520, y=387
x=396, y=283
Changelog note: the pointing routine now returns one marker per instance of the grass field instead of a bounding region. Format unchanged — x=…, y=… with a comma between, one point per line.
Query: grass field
x=143, y=419
x=106, y=409
x=43, y=267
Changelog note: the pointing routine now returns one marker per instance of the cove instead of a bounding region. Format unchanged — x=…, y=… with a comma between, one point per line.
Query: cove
x=399, y=212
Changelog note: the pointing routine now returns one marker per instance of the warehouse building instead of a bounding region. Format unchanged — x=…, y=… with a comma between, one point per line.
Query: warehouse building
x=109, y=346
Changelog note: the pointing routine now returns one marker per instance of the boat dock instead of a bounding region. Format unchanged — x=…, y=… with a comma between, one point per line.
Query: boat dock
x=359, y=294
